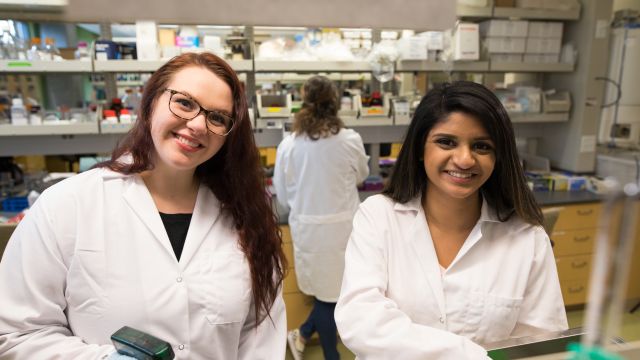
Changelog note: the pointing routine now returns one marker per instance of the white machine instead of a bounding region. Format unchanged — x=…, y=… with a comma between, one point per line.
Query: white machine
x=620, y=120
x=273, y=110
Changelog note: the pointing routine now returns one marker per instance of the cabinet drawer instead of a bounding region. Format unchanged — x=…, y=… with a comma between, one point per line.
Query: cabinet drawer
x=574, y=292
x=298, y=308
x=573, y=242
x=578, y=216
x=574, y=267
x=286, y=233
x=288, y=253
x=290, y=283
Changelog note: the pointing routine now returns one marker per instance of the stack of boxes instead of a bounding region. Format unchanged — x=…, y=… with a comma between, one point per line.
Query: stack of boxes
x=513, y=41
x=544, y=42
x=504, y=40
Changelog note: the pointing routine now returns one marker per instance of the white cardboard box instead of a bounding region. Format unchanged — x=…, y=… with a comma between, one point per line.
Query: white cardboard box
x=545, y=29
x=542, y=58
x=466, y=42
x=543, y=46
x=506, y=58
x=413, y=48
x=499, y=28
x=505, y=45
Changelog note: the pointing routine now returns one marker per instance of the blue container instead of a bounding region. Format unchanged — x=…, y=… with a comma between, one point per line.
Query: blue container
x=15, y=204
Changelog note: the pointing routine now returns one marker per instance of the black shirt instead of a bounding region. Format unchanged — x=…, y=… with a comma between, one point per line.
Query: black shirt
x=176, y=226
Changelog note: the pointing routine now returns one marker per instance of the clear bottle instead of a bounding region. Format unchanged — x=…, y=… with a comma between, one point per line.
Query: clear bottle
x=51, y=50
x=18, y=112
x=34, y=52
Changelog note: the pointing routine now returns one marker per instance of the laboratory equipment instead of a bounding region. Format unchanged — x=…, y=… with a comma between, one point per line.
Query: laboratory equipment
x=620, y=119
x=273, y=110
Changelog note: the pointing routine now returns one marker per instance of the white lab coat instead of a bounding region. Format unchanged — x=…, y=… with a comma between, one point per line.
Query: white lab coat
x=92, y=255
x=396, y=303
x=317, y=181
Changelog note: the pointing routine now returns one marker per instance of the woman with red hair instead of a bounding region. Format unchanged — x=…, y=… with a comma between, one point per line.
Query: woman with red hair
x=173, y=236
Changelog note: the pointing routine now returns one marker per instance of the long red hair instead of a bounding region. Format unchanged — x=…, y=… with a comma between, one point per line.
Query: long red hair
x=234, y=174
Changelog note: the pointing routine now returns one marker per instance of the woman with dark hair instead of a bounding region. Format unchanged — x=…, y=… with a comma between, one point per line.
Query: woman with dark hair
x=173, y=236
x=452, y=255
x=317, y=169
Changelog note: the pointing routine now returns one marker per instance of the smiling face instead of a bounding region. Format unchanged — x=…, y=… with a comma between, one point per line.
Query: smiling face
x=182, y=145
x=459, y=157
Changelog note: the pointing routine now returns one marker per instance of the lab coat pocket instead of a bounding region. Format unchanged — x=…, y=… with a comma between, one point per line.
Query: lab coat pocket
x=84, y=292
x=225, y=287
x=492, y=317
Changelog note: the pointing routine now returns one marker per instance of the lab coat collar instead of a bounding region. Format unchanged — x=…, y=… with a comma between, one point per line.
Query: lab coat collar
x=137, y=196
x=420, y=238
x=205, y=214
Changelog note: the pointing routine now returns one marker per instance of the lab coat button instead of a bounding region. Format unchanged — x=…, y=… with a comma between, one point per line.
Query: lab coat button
x=179, y=279
x=181, y=347
x=442, y=319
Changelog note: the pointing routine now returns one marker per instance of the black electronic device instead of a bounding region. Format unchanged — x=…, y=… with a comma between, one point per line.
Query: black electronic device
x=140, y=345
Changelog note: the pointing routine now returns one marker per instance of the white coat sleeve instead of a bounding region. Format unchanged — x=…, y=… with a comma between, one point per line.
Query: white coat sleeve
x=370, y=324
x=542, y=307
x=280, y=171
x=33, y=324
x=360, y=158
x=268, y=340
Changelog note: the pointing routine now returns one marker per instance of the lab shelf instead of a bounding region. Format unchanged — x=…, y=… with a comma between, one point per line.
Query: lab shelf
x=517, y=118
x=49, y=129
x=466, y=11
x=529, y=67
x=39, y=66
x=115, y=128
x=311, y=66
x=369, y=121
x=533, y=14
x=153, y=65
x=425, y=65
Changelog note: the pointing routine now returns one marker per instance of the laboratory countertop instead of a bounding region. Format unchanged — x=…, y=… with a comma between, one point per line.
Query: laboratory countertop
x=554, y=198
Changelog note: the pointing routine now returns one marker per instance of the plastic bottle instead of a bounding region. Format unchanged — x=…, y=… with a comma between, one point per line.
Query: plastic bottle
x=34, y=52
x=18, y=113
x=82, y=53
x=35, y=117
x=51, y=50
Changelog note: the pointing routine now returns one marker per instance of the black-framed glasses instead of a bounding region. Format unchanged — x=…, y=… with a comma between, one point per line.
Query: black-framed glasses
x=187, y=108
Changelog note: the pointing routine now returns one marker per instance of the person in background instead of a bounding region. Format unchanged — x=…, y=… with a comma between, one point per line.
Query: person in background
x=452, y=255
x=174, y=236
x=316, y=173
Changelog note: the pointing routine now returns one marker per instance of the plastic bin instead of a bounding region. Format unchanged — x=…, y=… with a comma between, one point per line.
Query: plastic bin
x=15, y=204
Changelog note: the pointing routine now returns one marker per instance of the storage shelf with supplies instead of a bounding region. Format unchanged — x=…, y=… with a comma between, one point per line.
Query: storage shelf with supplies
x=49, y=129
x=524, y=118
x=40, y=66
x=311, y=66
x=480, y=66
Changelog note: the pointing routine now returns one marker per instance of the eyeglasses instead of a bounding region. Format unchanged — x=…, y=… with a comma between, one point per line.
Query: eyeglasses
x=186, y=108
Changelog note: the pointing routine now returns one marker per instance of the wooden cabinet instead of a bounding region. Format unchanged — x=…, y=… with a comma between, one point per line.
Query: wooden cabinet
x=298, y=304
x=574, y=237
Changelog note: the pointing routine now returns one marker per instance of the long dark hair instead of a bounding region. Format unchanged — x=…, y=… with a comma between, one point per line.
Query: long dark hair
x=234, y=174
x=318, y=116
x=506, y=189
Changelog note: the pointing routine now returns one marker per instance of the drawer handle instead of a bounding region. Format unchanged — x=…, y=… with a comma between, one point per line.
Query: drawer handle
x=578, y=265
x=585, y=212
x=576, y=290
x=581, y=239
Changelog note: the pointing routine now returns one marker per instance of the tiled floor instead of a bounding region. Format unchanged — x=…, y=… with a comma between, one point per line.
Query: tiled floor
x=630, y=332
